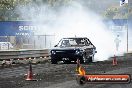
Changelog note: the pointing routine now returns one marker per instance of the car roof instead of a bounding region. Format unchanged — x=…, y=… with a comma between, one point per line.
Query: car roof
x=74, y=37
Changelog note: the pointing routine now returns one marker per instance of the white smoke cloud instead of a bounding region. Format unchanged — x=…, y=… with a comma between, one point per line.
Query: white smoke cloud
x=71, y=21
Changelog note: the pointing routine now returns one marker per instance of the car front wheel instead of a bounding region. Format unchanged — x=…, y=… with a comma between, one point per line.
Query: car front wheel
x=53, y=61
x=90, y=59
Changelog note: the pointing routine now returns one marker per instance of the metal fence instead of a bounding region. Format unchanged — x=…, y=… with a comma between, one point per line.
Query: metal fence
x=26, y=42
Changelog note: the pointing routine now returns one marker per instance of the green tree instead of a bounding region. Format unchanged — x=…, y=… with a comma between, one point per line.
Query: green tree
x=7, y=9
x=117, y=12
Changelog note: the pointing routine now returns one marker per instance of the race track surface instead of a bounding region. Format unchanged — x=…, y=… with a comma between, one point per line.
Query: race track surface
x=62, y=75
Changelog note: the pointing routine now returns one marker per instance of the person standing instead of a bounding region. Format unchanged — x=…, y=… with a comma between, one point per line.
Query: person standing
x=117, y=42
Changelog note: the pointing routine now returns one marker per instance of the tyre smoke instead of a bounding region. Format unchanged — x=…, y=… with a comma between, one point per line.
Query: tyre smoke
x=70, y=21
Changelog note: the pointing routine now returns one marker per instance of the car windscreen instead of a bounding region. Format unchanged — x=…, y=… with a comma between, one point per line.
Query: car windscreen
x=73, y=42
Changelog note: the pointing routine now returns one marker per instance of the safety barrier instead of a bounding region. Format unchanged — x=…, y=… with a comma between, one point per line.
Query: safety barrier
x=23, y=56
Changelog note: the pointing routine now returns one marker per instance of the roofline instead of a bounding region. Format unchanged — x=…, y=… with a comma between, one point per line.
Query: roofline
x=74, y=37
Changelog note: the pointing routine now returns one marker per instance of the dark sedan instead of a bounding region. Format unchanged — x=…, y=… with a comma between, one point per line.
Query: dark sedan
x=71, y=49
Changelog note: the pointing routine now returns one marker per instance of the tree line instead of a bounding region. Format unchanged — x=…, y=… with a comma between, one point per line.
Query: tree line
x=8, y=9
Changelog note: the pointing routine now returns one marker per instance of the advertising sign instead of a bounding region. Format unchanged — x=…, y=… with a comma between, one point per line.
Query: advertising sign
x=16, y=28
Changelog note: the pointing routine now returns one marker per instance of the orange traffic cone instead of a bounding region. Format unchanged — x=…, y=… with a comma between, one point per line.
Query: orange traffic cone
x=30, y=74
x=114, y=61
x=78, y=65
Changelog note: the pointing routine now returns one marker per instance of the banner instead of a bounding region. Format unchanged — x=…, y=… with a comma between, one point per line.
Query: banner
x=17, y=28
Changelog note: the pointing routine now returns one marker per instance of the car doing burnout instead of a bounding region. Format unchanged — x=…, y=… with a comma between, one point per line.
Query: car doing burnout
x=71, y=49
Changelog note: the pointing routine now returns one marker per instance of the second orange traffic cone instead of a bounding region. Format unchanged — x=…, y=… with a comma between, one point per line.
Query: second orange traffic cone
x=114, y=61
x=30, y=74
